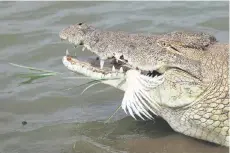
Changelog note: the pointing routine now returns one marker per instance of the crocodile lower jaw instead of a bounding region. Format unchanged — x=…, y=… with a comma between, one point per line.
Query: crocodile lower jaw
x=91, y=69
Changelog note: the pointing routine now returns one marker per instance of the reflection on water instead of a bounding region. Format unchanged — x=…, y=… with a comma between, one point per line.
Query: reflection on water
x=60, y=119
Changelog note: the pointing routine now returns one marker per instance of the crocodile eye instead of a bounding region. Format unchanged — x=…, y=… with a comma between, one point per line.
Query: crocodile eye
x=80, y=23
x=162, y=43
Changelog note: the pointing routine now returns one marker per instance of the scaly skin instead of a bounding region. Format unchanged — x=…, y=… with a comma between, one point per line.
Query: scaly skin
x=195, y=92
x=208, y=117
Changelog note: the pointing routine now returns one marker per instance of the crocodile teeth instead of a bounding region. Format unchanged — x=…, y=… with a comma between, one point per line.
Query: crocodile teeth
x=67, y=52
x=113, y=69
x=121, y=70
x=117, y=58
x=83, y=49
x=102, y=64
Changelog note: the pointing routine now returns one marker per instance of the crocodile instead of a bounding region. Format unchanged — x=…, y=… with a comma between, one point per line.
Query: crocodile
x=179, y=76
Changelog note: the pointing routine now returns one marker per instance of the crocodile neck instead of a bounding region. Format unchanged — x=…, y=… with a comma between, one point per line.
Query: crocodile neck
x=208, y=117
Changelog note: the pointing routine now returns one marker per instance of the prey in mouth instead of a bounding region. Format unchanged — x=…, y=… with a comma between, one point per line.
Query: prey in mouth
x=110, y=65
x=136, y=100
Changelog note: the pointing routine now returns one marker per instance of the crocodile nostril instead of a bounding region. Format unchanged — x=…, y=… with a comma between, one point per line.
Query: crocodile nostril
x=81, y=43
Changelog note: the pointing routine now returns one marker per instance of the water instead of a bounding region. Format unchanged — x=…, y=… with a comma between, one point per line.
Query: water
x=59, y=119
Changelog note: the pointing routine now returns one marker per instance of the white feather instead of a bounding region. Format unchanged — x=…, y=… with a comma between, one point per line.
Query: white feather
x=137, y=99
x=141, y=103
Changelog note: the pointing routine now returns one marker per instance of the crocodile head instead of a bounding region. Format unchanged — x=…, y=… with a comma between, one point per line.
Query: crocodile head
x=146, y=53
x=124, y=48
x=171, y=75
x=107, y=64
x=122, y=57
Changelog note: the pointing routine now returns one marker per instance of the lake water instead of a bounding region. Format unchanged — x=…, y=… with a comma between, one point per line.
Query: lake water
x=60, y=119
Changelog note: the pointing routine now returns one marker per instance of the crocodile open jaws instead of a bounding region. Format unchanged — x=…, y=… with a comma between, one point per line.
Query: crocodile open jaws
x=179, y=76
